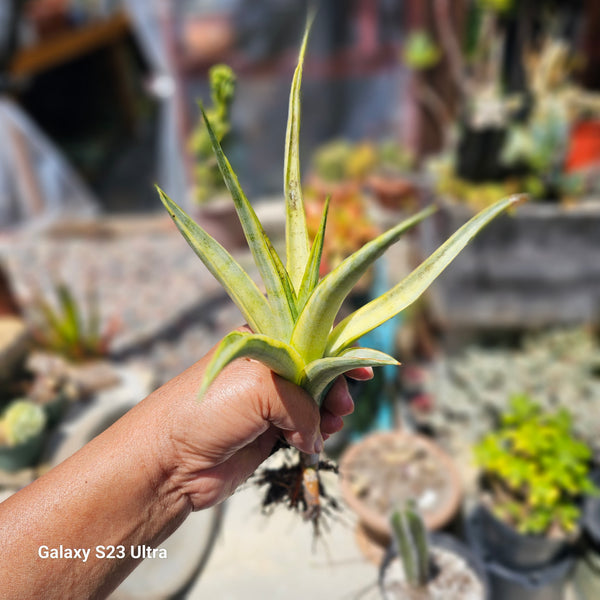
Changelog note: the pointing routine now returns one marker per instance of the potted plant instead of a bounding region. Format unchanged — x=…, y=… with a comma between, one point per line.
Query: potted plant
x=22, y=430
x=534, y=475
x=293, y=327
x=386, y=468
x=72, y=342
x=419, y=567
x=214, y=210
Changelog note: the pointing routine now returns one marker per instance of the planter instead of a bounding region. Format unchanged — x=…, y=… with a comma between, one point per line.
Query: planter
x=537, y=267
x=504, y=545
x=395, y=192
x=460, y=575
x=584, y=150
x=14, y=458
x=219, y=219
x=520, y=567
x=388, y=468
x=587, y=572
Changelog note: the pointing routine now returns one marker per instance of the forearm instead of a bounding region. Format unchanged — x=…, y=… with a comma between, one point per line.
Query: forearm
x=113, y=492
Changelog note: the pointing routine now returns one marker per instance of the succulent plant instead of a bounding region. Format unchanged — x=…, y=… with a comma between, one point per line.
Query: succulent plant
x=536, y=468
x=22, y=420
x=410, y=537
x=222, y=88
x=293, y=326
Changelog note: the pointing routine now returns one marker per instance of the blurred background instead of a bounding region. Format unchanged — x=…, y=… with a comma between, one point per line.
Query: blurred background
x=404, y=103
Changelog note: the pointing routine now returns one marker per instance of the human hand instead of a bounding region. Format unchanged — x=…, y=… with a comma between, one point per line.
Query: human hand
x=216, y=444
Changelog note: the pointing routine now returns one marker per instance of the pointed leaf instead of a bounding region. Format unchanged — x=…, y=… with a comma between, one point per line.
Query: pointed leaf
x=277, y=283
x=321, y=372
x=311, y=274
x=297, y=246
x=278, y=356
x=411, y=287
x=236, y=282
x=316, y=319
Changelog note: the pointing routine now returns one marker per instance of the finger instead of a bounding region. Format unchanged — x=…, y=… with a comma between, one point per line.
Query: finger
x=293, y=411
x=330, y=423
x=360, y=373
x=339, y=401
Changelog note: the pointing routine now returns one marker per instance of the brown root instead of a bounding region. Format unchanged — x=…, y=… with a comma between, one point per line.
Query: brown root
x=298, y=487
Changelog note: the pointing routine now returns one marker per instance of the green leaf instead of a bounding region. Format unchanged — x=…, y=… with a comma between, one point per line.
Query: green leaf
x=311, y=274
x=236, y=282
x=297, y=245
x=316, y=319
x=278, y=356
x=277, y=282
x=410, y=288
x=318, y=374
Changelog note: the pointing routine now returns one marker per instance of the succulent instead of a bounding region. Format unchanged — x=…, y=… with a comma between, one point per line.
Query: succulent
x=294, y=330
x=22, y=420
x=536, y=468
x=72, y=330
x=222, y=89
x=410, y=537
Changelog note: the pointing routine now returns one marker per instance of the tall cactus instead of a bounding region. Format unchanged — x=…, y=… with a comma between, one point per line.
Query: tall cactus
x=410, y=537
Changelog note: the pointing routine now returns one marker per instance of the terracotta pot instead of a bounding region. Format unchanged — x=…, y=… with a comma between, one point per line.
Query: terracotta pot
x=219, y=219
x=394, y=192
x=386, y=469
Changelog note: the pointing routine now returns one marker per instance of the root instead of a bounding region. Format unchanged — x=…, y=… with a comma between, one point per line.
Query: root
x=299, y=487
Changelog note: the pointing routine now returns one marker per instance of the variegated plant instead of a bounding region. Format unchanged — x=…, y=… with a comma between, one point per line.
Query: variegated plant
x=293, y=330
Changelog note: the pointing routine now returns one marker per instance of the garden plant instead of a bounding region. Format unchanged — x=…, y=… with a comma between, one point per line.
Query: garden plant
x=536, y=469
x=293, y=326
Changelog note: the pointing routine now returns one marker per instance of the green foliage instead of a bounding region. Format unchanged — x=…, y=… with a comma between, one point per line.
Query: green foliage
x=70, y=329
x=21, y=421
x=293, y=325
x=420, y=51
x=222, y=89
x=410, y=536
x=536, y=467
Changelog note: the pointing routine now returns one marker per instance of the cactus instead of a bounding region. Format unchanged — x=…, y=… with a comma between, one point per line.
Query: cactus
x=22, y=421
x=410, y=537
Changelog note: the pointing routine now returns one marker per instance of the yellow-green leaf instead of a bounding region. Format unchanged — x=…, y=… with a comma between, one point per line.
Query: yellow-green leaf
x=316, y=319
x=318, y=374
x=297, y=245
x=236, y=282
x=279, y=288
x=278, y=356
x=411, y=287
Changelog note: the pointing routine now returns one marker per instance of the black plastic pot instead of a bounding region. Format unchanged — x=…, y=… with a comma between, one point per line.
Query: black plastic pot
x=515, y=563
x=501, y=544
x=546, y=583
x=451, y=544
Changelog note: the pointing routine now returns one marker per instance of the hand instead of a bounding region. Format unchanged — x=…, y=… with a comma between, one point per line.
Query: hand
x=217, y=443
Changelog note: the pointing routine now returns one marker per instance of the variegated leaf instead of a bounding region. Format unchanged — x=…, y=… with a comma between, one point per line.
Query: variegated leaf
x=278, y=356
x=316, y=319
x=411, y=287
x=278, y=285
x=318, y=374
x=236, y=282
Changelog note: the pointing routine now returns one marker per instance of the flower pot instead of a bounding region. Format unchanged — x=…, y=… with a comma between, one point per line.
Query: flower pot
x=547, y=583
x=503, y=545
x=395, y=192
x=587, y=571
x=219, y=219
x=461, y=575
x=584, y=149
x=13, y=458
x=387, y=468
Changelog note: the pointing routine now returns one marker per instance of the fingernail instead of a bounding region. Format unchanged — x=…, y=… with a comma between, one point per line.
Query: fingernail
x=319, y=444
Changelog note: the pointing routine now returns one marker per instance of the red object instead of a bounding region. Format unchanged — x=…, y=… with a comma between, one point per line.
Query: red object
x=584, y=148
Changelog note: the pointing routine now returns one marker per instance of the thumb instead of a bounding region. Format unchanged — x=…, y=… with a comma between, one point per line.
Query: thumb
x=291, y=409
